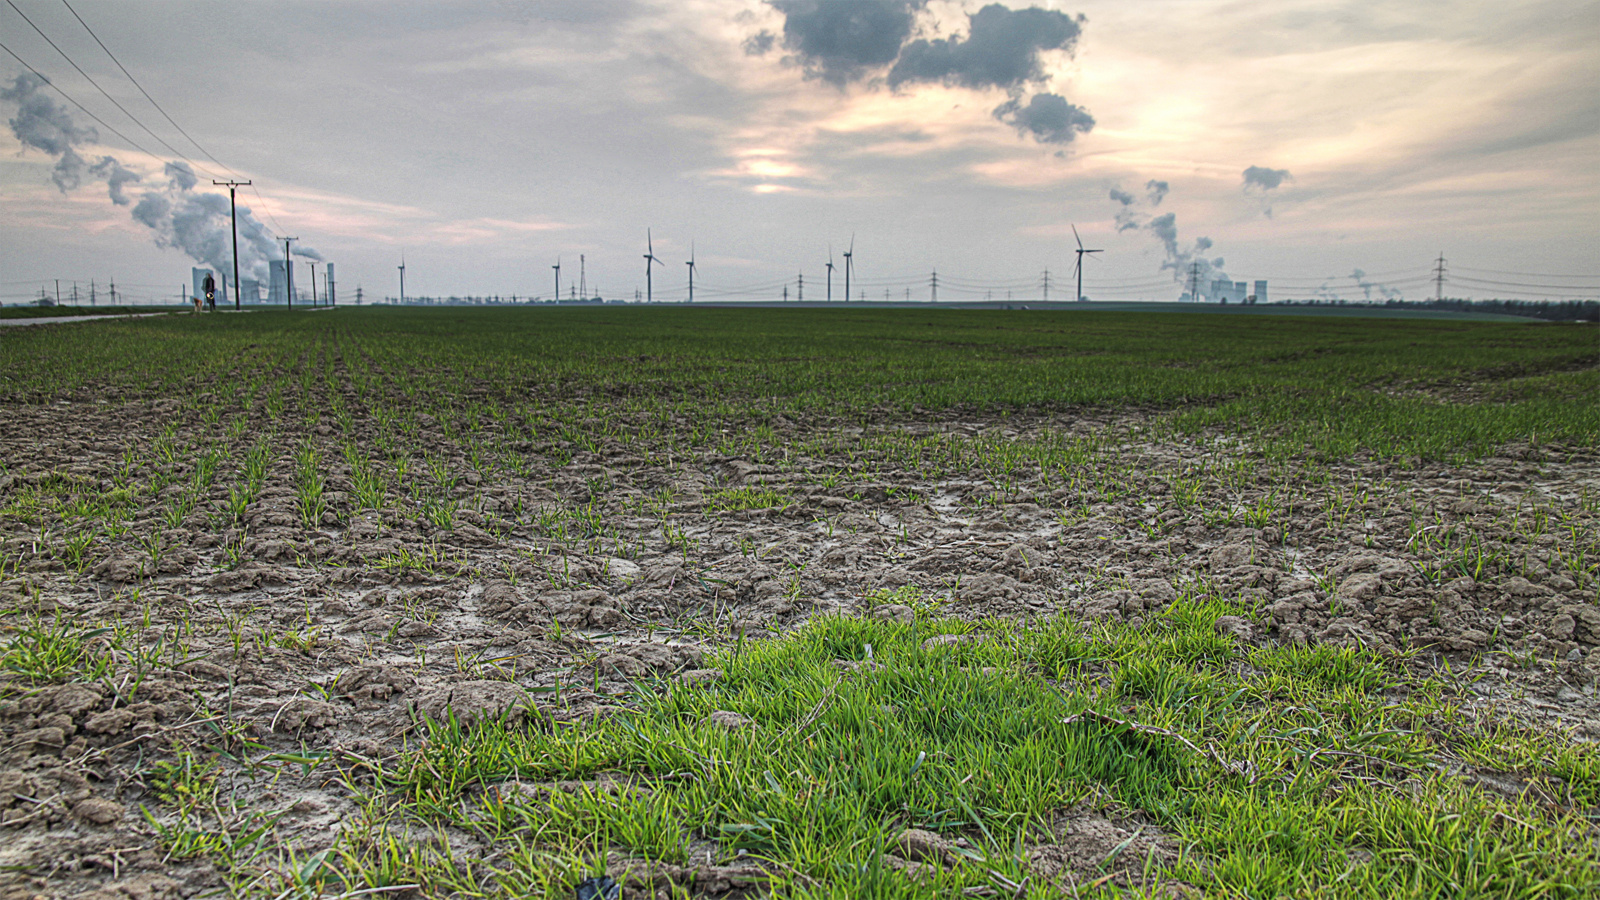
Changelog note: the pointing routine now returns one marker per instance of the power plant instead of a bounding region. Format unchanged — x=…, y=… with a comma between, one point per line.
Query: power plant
x=280, y=284
x=1225, y=291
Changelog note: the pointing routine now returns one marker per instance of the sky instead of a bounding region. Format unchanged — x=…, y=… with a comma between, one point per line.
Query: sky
x=1332, y=148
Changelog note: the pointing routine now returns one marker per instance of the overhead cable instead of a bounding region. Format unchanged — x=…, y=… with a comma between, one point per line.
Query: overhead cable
x=136, y=145
x=142, y=90
x=102, y=90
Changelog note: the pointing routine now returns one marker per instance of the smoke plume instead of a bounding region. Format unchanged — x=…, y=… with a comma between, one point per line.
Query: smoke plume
x=1186, y=263
x=44, y=124
x=1367, y=287
x=110, y=169
x=1183, y=262
x=178, y=216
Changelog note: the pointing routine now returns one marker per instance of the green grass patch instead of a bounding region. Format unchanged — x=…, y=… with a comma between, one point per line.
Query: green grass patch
x=1276, y=772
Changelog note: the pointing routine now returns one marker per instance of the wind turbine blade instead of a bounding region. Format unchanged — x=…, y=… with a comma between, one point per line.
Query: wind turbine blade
x=1076, y=238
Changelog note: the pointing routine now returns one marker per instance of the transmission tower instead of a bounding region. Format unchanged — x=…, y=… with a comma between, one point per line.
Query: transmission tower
x=1194, y=283
x=1438, y=278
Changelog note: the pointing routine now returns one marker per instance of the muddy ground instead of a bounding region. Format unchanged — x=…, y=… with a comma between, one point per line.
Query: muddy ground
x=593, y=571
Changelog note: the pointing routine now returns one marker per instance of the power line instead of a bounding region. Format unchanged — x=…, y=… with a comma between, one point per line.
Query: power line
x=102, y=90
x=1484, y=282
x=141, y=87
x=136, y=145
x=209, y=155
x=1521, y=274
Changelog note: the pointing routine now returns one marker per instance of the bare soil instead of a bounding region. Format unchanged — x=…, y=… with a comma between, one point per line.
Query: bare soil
x=337, y=639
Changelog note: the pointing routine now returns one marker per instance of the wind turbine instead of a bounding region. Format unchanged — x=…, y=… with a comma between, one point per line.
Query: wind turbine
x=830, y=273
x=849, y=263
x=649, y=258
x=1080, y=251
x=402, y=279
x=690, y=264
x=557, y=267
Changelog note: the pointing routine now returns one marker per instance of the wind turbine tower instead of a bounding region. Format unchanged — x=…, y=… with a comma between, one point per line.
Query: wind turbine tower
x=690, y=264
x=402, y=279
x=1081, y=253
x=649, y=260
x=830, y=273
x=557, y=267
x=849, y=263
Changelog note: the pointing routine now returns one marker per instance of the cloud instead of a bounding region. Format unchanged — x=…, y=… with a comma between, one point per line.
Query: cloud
x=760, y=43
x=840, y=41
x=1123, y=197
x=1048, y=117
x=846, y=41
x=1261, y=178
x=1001, y=50
x=1157, y=190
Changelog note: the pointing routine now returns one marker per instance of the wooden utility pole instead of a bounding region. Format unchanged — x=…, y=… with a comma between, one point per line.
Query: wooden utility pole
x=288, y=267
x=233, y=212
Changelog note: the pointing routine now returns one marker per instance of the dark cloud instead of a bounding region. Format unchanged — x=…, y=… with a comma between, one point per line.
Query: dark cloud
x=1157, y=191
x=1265, y=179
x=759, y=44
x=1001, y=50
x=843, y=41
x=1123, y=197
x=840, y=41
x=1048, y=117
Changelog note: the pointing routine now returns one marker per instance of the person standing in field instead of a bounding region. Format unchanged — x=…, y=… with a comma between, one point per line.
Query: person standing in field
x=211, y=292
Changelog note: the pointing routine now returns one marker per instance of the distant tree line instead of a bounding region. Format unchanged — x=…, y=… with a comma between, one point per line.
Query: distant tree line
x=1549, y=310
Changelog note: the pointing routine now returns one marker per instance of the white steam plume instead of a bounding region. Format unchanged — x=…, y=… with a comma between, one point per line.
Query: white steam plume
x=180, y=217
